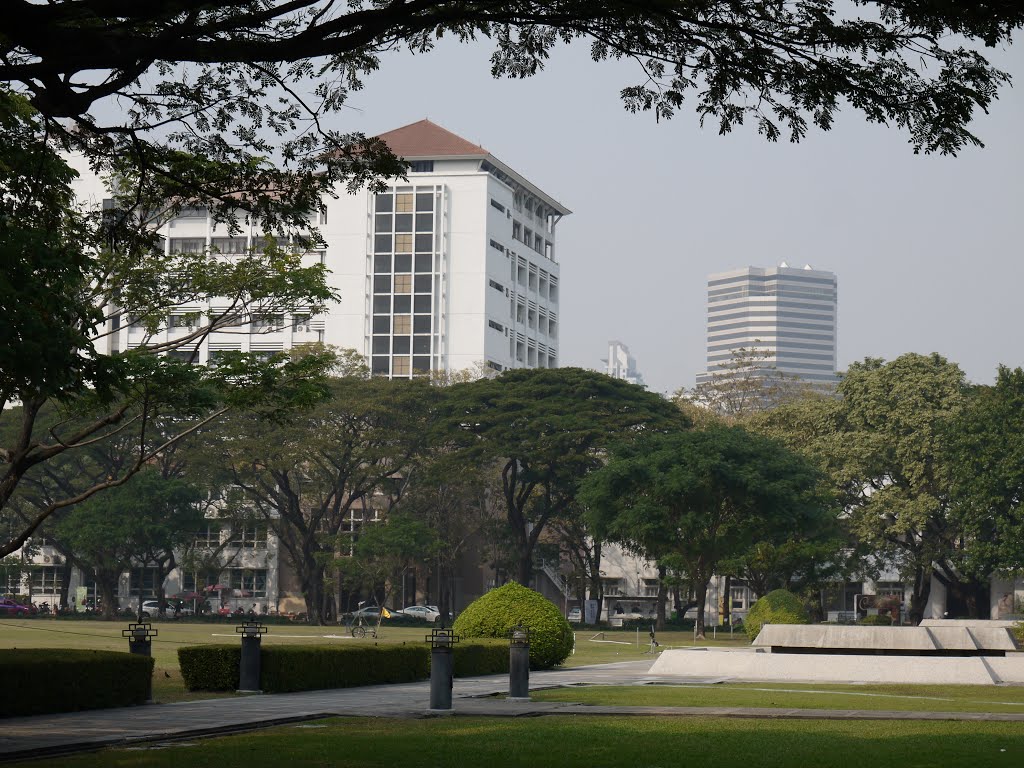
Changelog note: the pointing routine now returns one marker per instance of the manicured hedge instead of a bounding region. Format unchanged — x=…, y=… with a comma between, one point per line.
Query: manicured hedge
x=35, y=681
x=210, y=667
x=875, y=620
x=481, y=657
x=313, y=667
x=495, y=613
x=310, y=667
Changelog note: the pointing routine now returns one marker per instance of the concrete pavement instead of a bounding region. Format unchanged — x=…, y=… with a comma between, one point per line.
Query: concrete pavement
x=53, y=735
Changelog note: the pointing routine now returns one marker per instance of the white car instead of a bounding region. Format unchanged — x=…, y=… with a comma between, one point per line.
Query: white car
x=575, y=616
x=425, y=612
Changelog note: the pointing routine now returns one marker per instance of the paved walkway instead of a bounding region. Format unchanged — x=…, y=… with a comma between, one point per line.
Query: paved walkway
x=52, y=735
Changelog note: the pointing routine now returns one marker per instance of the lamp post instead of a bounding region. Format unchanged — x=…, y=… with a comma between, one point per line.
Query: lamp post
x=140, y=642
x=249, y=663
x=519, y=664
x=441, y=668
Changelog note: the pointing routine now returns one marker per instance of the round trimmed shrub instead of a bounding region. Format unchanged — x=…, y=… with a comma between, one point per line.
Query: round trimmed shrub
x=494, y=615
x=777, y=607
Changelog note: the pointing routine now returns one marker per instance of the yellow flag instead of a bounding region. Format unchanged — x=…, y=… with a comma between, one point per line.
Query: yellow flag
x=385, y=613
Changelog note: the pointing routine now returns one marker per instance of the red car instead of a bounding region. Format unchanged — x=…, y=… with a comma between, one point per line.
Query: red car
x=10, y=608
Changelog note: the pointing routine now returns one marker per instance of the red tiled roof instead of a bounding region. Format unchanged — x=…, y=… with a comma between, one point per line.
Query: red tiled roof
x=427, y=139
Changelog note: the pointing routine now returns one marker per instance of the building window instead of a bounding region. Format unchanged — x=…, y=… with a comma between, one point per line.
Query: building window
x=499, y=206
x=403, y=243
x=403, y=202
x=400, y=366
x=183, y=320
x=497, y=246
x=384, y=203
x=496, y=326
x=421, y=166
x=187, y=245
x=250, y=582
x=496, y=286
x=47, y=580
x=10, y=581
x=146, y=578
x=208, y=537
x=252, y=536
x=738, y=598
x=403, y=283
x=403, y=325
x=267, y=322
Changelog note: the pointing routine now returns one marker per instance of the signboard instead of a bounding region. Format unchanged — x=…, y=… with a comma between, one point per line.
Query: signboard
x=590, y=612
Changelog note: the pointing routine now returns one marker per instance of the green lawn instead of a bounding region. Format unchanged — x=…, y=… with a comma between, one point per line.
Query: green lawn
x=167, y=684
x=917, y=698
x=586, y=742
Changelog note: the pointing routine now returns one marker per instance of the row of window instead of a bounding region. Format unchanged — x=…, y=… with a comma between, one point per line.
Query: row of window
x=48, y=580
x=246, y=536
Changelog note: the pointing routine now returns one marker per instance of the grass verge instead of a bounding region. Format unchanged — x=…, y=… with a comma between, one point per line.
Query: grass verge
x=913, y=698
x=582, y=742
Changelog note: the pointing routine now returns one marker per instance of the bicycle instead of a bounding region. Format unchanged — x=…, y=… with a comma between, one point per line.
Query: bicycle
x=357, y=627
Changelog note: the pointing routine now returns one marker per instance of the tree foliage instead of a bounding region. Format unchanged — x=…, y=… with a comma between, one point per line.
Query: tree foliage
x=783, y=65
x=885, y=444
x=130, y=525
x=313, y=476
x=547, y=428
x=694, y=499
x=71, y=278
x=986, y=446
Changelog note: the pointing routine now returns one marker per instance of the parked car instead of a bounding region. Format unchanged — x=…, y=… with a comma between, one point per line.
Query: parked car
x=575, y=616
x=437, y=610
x=151, y=608
x=424, y=612
x=10, y=608
x=371, y=612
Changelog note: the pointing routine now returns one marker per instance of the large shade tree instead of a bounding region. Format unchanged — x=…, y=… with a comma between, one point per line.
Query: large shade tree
x=224, y=105
x=547, y=428
x=986, y=445
x=698, y=497
x=885, y=443
x=314, y=475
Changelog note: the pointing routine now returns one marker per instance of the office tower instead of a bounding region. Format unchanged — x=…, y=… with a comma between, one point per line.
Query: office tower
x=784, y=319
x=622, y=365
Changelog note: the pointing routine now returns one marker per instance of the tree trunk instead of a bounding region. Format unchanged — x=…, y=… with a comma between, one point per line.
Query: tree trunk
x=524, y=565
x=701, y=595
x=662, y=598
x=107, y=586
x=312, y=580
x=726, y=601
x=65, y=585
x=919, y=595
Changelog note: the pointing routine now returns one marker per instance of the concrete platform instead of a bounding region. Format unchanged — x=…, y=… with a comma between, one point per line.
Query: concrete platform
x=939, y=640
x=759, y=665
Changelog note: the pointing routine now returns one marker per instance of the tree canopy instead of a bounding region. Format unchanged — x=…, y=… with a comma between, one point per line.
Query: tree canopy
x=547, y=429
x=783, y=65
x=698, y=497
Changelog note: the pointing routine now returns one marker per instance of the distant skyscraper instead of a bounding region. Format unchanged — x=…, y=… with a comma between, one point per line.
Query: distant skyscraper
x=621, y=364
x=784, y=318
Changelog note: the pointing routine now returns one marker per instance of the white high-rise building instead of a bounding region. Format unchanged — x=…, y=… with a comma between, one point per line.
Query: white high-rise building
x=785, y=318
x=622, y=365
x=452, y=269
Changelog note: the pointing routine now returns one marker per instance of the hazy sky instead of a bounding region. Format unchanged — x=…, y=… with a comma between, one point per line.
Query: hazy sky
x=927, y=249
